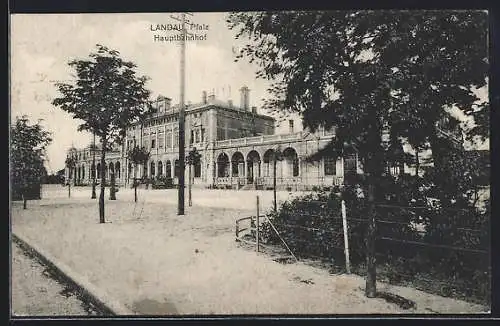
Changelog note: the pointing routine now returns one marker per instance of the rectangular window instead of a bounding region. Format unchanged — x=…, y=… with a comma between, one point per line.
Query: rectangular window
x=202, y=135
x=191, y=139
x=220, y=134
x=153, y=143
x=160, y=140
x=197, y=170
x=330, y=164
x=350, y=164
x=290, y=126
x=176, y=138
x=169, y=139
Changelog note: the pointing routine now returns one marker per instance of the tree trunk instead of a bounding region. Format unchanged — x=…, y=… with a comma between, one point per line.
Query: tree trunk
x=417, y=163
x=69, y=184
x=103, y=182
x=439, y=162
x=135, y=183
x=24, y=200
x=371, y=272
x=374, y=171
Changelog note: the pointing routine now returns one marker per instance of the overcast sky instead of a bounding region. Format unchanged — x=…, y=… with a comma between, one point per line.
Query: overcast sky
x=42, y=45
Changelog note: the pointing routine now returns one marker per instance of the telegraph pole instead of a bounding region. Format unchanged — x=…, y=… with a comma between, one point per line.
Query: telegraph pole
x=182, y=152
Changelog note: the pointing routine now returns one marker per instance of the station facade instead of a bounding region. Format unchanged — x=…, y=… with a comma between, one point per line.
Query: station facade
x=237, y=147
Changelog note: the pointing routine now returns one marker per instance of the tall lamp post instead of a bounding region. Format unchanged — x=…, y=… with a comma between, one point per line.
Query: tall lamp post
x=180, y=204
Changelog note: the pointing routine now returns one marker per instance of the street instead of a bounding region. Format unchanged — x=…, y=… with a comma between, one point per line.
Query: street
x=36, y=293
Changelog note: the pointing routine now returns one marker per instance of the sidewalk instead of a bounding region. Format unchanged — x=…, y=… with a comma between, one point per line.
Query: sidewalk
x=157, y=263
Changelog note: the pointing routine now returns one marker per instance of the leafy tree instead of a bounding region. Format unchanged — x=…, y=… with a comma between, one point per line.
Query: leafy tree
x=379, y=79
x=107, y=96
x=138, y=155
x=27, y=154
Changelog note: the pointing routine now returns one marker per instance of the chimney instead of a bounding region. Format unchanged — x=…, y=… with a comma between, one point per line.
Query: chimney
x=204, y=97
x=168, y=101
x=230, y=103
x=254, y=109
x=244, y=91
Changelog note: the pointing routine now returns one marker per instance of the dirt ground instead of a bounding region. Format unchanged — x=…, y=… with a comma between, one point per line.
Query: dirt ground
x=158, y=263
x=35, y=293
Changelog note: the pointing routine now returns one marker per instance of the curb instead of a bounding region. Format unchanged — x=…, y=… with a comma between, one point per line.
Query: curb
x=90, y=293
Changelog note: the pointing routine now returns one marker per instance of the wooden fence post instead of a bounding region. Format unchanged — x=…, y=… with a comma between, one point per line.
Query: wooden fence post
x=346, y=238
x=257, y=226
x=371, y=273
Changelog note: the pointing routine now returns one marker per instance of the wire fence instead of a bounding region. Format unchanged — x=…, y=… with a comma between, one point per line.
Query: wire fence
x=440, y=250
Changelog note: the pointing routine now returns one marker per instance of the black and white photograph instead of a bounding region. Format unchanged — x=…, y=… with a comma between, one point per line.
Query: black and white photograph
x=249, y=163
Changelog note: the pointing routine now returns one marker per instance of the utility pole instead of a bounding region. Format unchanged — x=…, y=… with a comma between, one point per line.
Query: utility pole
x=182, y=152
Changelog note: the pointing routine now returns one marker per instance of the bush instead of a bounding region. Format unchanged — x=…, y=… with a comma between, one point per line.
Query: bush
x=163, y=182
x=310, y=225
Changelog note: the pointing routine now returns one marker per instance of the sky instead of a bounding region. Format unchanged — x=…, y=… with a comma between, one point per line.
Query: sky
x=43, y=44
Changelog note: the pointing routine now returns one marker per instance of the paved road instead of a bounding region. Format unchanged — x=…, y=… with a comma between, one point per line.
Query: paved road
x=36, y=293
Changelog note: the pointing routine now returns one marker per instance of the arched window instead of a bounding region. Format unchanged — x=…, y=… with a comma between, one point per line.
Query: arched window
x=177, y=169
x=223, y=165
x=117, y=169
x=168, y=169
x=292, y=161
x=111, y=168
x=160, y=168
x=329, y=165
x=197, y=169
x=268, y=161
x=152, y=167
x=237, y=165
x=350, y=163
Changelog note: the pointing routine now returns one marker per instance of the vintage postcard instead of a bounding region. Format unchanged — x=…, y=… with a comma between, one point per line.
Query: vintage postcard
x=290, y=163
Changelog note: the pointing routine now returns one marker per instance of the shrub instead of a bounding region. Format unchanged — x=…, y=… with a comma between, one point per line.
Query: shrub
x=310, y=225
x=163, y=182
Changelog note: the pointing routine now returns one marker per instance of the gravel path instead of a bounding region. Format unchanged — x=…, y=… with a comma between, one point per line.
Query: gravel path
x=35, y=293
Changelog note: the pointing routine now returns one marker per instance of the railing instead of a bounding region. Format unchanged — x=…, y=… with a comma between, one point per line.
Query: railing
x=259, y=139
x=223, y=180
x=438, y=250
x=242, y=230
